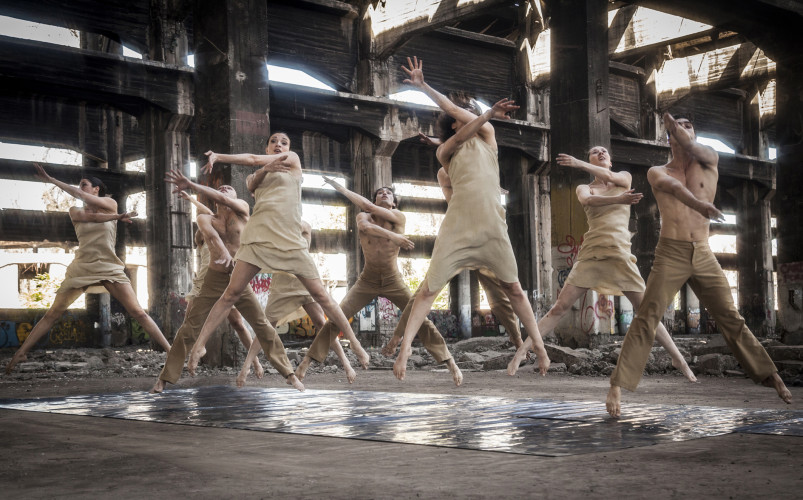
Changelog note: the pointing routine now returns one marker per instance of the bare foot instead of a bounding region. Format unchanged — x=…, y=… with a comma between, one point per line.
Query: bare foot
x=684, y=369
x=301, y=371
x=363, y=357
x=242, y=376
x=258, y=370
x=350, y=374
x=514, y=364
x=195, y=358
x=400, y=366
x=293, y=380
x=612, y=403
x=543, y=361
x=158, y=387
x=457, y=375
x=18, y=357
x=390, y=348
x=776, y=383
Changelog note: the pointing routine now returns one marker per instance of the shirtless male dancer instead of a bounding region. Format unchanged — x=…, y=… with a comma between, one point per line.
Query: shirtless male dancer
x=222, y=234
x=684, y=189
x=497, y=299
x=381, y=229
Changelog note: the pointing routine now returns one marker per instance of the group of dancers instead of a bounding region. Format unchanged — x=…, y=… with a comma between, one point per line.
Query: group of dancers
x=236, y=245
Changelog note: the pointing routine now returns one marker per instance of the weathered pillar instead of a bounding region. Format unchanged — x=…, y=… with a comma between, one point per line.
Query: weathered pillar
x=789, y=197
x=754, y=258
x=579, y=120
x=460, y=302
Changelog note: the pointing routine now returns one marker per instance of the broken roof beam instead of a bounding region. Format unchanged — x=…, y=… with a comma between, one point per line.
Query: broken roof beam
x=15, y=225
x=645, y=153
x=394, y=23
x=119, y=183
x=732, y=66
x=633, y=30
x=125, y=83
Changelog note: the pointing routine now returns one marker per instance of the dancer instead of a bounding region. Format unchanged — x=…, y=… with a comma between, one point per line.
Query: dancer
x=473, y=233
x=222, y=234
x=272, y=239
x=381, y=231
x=235, y=318
x=95, y=261
x=604, y=263
x=500, y=304
x=684, y=189
x=288, y=301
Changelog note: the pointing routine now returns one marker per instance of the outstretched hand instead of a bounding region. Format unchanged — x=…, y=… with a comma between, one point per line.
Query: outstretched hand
x=415, y=72
x=709, y=211
x=225, y=260
x=277, y=165
x=179, y=180
x=126, y=217
x=40, y=172
x=429, y=141
x=502, y=107
x=630, y=197
x=211, y=158
x=404, y=242
x=567, y=161
x=184, y=195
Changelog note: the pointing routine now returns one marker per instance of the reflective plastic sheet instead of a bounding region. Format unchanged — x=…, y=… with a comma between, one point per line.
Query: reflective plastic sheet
x=525, y=426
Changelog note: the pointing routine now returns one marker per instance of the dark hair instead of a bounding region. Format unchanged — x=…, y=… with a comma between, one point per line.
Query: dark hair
x=267, y=141
x=679, y=117
x=444, y=123
x=395, y=198
x=98, y=184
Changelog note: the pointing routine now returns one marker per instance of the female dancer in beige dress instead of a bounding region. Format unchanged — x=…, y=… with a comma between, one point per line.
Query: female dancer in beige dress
x=473, y=234
x=95, y=262
x=288, y=301
x=604, y=263
x=272, y=240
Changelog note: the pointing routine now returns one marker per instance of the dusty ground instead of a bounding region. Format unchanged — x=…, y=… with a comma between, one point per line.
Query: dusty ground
x=71, y=456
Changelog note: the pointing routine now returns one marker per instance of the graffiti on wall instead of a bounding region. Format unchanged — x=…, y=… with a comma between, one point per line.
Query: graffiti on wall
x=368, y=317
x=445, y=322
x=570, y=248
x=71, y=330
x=138, y=334
x=261, y=285
x=601, y=309
x=302, y=327
x=387, y=311
x=8, y=334
x=485, y=324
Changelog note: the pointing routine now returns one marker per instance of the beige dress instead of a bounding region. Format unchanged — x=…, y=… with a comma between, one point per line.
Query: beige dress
x=473, y=234
x=199, y=276
x=272, y=240
x=286, y=299
x=95, y=260
x=604, y=263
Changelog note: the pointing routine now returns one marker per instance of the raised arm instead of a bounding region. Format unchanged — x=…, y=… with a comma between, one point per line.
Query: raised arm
x=217, y=249
x=181, y=182
x=365, y=204
x=706, y=155
x=199, y=207
x=622, y=179
x=588, y=198
x=291, y=160
x=662, y=181
x=415, y=73
x=278, y=164
x=78, y=215
x=96, y=202
x=365, y=225
x=498, y=111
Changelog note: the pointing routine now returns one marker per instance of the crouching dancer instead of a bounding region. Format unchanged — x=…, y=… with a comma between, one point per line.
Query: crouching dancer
x=222, y=234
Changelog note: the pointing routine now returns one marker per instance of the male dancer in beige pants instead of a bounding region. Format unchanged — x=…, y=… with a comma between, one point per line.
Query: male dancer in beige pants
x=222, y=233
x=684, y=189
x=381, y=228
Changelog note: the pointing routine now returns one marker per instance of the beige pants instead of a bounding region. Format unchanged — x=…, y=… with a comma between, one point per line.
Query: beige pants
x=214, y=285
x=675, y=262
x=387, y=283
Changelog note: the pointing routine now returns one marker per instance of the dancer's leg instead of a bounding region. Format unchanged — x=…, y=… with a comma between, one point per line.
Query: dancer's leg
x=242, y=274
x=236, y=322
x=522, y=308
x=40, y=329
x=501, y=308
x=319, y=320
x=566, y=298
x=124, y=294
x=318, y=292
x=665, y=340
x=421, y=307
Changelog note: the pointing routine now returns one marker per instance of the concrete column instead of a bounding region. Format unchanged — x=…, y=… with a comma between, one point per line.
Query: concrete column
x=460, y=302
x=580, y=119
x=789, y=197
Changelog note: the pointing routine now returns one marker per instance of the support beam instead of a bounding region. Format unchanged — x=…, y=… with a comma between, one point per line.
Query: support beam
x=53, y=227
x=122, y=183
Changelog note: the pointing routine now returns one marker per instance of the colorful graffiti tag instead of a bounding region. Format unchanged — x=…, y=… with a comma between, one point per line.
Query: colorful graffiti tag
x=8, y=334
x=601, y=309
x=570, y=248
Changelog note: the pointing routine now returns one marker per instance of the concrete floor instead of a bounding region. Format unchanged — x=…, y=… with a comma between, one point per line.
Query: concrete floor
x=48, y=455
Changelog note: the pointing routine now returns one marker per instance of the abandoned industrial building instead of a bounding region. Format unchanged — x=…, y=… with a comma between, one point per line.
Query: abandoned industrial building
x=139, y=95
